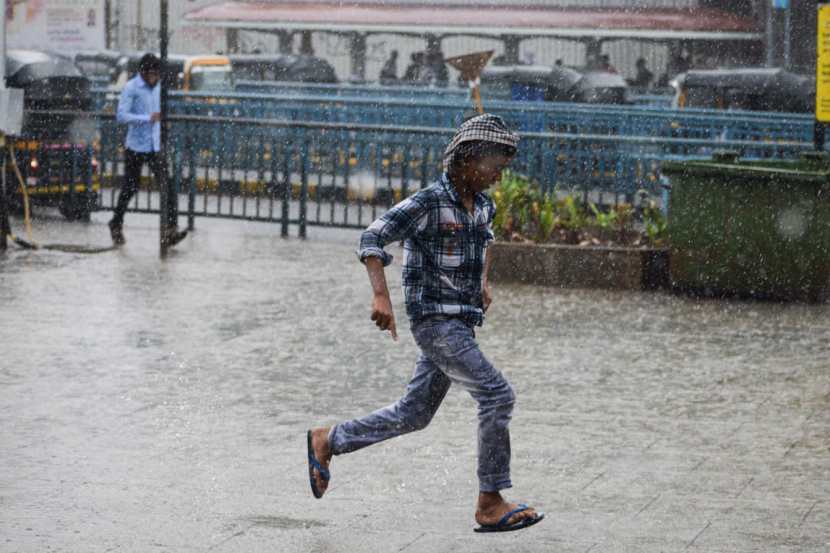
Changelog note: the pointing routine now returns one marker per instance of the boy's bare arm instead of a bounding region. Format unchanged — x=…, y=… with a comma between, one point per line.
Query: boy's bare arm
x=382, y=312
x=486, y=295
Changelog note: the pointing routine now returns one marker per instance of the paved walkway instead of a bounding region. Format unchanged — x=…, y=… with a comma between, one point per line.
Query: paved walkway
x=162, y=406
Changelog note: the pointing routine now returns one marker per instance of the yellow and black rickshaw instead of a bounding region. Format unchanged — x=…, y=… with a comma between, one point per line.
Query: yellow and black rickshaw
x=53, y=154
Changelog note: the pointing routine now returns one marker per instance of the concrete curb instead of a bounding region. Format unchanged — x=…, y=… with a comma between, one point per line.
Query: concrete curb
x=566, y=266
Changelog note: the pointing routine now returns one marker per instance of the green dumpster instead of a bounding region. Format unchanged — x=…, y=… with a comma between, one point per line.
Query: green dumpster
x=759, y=228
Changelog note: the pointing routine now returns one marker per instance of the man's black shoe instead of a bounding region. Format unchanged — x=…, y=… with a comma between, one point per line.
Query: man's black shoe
x=174, y=236
x=116, y=234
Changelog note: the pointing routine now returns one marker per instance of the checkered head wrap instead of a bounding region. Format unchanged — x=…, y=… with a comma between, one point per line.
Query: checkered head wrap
x=481, y=128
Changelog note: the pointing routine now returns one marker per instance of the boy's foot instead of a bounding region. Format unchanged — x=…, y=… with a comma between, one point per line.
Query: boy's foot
x=322, y=452
x=492, y=508
x=116, y=234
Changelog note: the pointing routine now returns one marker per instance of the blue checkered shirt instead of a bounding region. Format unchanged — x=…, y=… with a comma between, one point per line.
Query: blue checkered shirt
x=443, y=250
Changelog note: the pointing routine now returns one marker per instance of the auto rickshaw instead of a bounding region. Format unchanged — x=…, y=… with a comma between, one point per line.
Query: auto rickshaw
x=554, y=84
x=53, y=152
x=753, y=89
x=282, y=67
x=198, y=73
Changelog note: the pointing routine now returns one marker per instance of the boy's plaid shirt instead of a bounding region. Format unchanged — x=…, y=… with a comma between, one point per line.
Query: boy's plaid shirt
x=443, y=250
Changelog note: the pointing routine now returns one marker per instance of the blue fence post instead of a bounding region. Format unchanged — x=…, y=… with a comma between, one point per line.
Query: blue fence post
x=305, y=145
x=287, y=154
x=191, y=177
x=177, y=172
x=72, y=198
x=91, y=195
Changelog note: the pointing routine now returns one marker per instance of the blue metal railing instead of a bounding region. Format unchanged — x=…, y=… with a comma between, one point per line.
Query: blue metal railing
x=344, y=174
x=525, y=116
x=641, y=97
x=350, y=170
x=350, y=90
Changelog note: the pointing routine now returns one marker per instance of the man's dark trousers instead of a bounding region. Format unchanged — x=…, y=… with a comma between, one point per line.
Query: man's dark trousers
x=133, y=162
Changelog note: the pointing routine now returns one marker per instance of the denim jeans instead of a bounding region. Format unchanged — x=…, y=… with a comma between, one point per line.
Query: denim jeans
x=449, y=353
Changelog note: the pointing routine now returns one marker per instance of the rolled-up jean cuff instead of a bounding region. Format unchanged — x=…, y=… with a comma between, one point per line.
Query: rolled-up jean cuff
x=494, y=484
x=331, y=439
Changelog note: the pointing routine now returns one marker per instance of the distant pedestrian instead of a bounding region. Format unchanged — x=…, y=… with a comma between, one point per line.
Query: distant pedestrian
x=436, y=69
x=644, y=76
x=415, y=70
x=681, y=63
x=389, y=72
x=605, y=64
x=446, y=229
x=140, y=109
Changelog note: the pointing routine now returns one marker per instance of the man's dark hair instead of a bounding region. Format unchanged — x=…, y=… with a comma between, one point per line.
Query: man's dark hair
x=149, y=62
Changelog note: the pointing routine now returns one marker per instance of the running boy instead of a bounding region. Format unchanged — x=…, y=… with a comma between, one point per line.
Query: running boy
x=446, y=229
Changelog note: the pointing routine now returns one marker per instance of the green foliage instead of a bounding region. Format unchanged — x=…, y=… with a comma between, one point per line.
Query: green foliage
x=523, y=212
x=604, y=220
x=574, y=217
x=656, y=226
x=523, y=209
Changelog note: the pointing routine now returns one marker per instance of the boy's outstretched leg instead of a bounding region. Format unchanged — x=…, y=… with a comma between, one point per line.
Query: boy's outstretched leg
x=319, y=457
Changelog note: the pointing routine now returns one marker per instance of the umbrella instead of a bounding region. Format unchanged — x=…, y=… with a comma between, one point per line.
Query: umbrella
x=25, y=67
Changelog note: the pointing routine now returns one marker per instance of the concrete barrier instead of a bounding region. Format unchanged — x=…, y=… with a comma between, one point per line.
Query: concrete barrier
x=565, y=266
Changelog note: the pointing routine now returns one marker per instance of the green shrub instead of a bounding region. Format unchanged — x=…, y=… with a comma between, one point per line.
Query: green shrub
x=524, y=212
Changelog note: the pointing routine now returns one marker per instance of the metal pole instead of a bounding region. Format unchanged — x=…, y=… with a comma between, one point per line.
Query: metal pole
x=116, y=26
x=139, y=25
x=107, y=17
x=3, y=9
x=788, y=35
x=5, y=228
x=164, y=204
x=770, y=38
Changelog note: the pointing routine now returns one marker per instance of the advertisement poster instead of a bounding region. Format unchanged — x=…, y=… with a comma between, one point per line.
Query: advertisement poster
x=823, y=65
x=58, y=25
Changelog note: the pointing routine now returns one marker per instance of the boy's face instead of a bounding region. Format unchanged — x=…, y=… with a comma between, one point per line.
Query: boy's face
x=482, y=173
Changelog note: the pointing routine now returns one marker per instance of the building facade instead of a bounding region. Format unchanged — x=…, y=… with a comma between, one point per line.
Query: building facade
x=135, y=27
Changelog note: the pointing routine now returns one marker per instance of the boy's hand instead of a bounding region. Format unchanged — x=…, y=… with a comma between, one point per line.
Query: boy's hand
x=155, y=117
x=383, y=315
x=486, y=296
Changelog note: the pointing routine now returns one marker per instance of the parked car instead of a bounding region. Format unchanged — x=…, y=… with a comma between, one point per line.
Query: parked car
x=754, y=89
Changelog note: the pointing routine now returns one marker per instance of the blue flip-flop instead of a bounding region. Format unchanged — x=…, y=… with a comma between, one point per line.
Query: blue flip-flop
x=314, y=464
x=503, y=526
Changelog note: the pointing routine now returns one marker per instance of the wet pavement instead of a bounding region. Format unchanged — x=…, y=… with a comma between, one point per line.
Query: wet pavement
x=162, y=406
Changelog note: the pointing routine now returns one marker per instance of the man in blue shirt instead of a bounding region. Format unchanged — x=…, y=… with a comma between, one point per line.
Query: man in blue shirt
x=446, y=229
x=140, y=109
